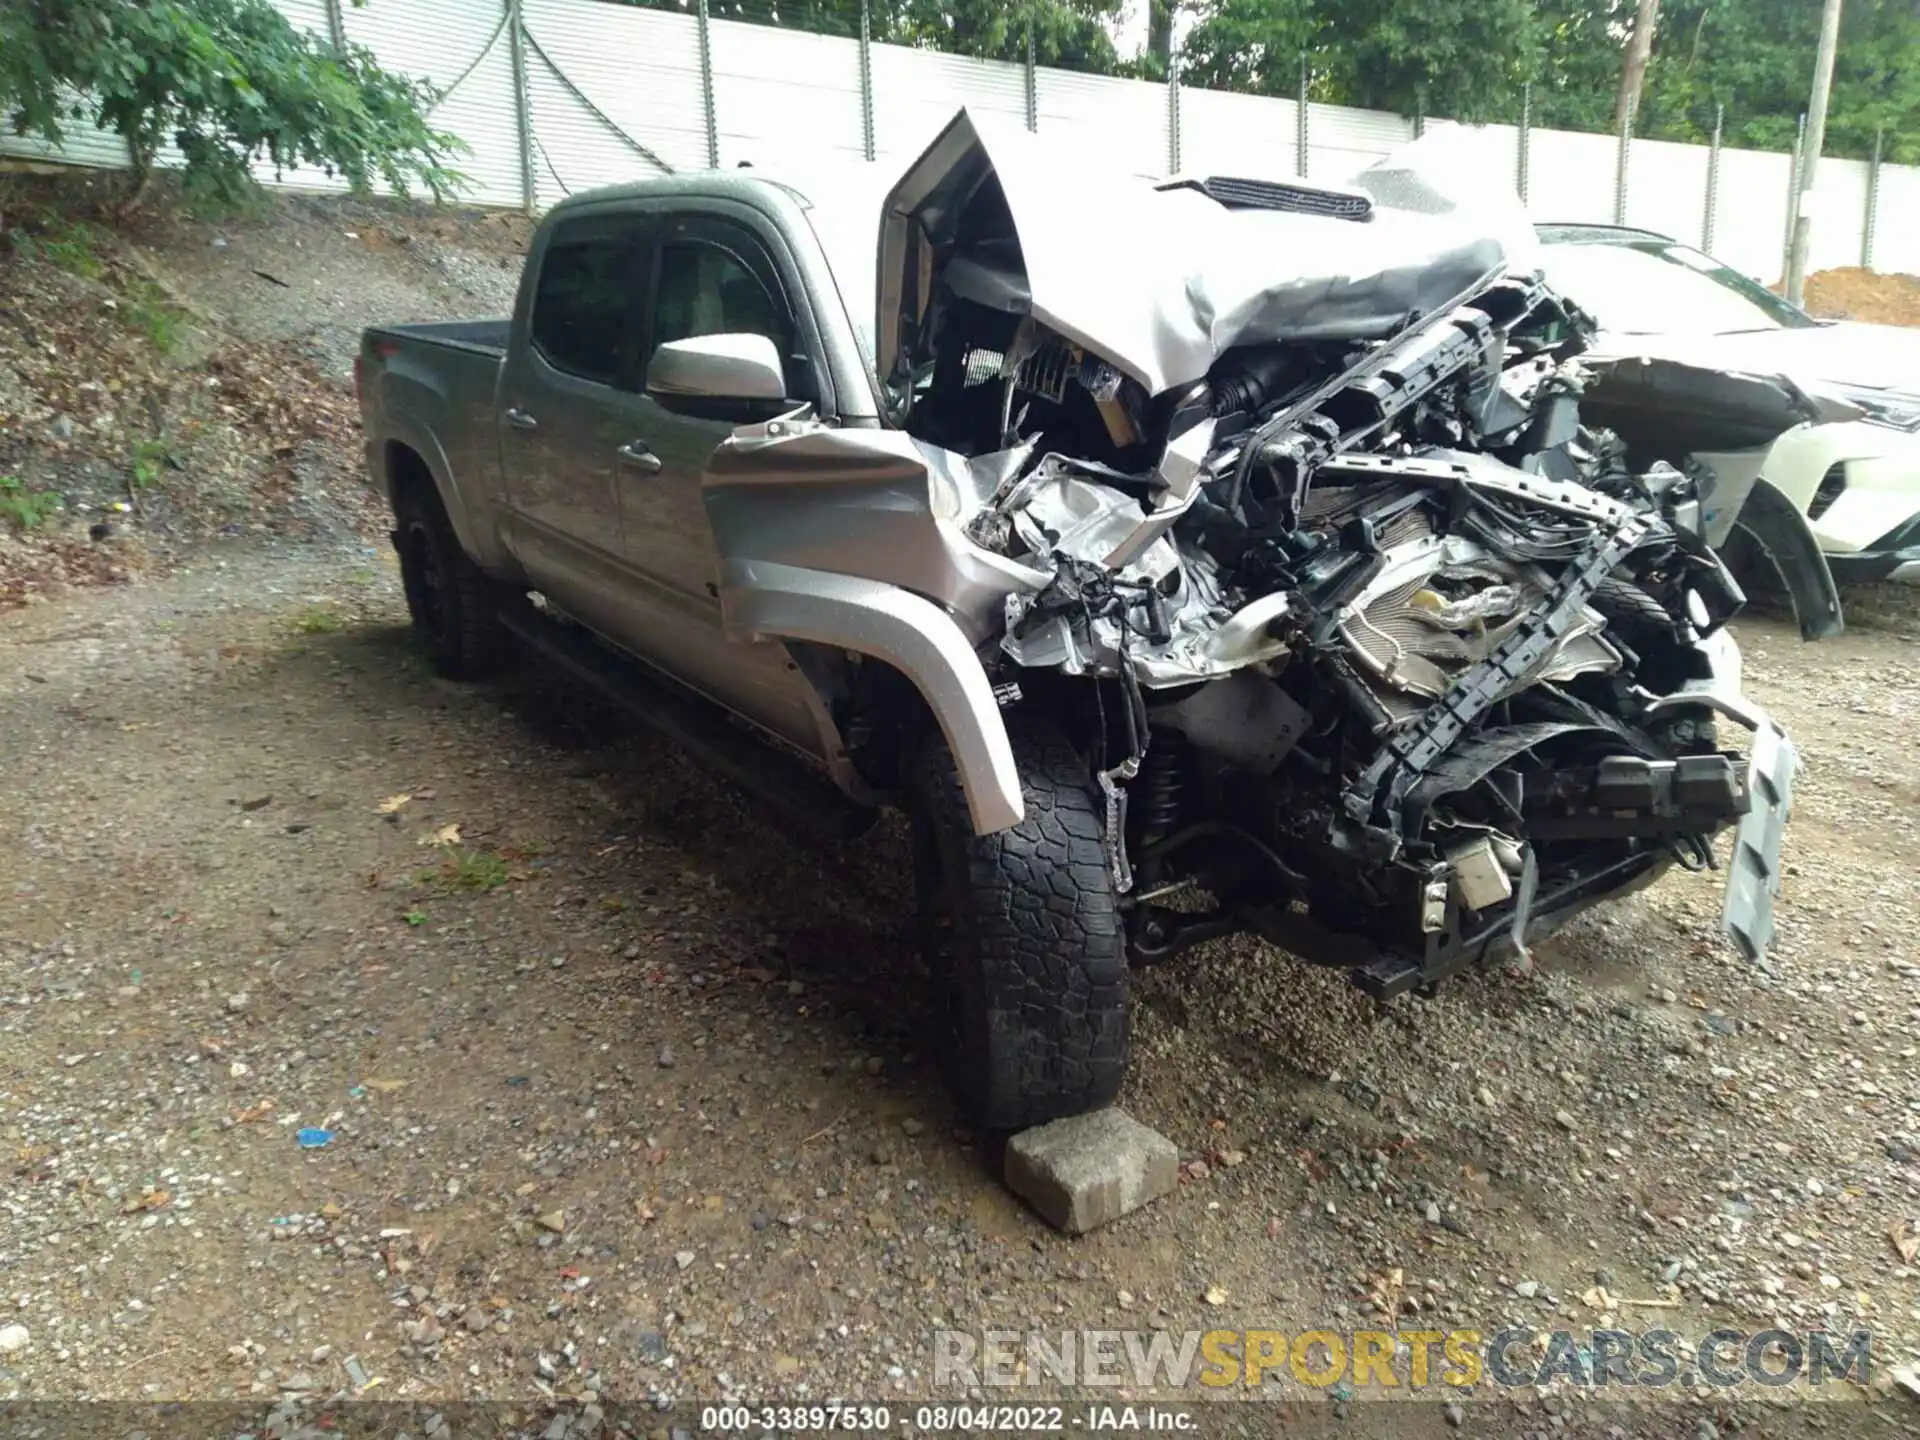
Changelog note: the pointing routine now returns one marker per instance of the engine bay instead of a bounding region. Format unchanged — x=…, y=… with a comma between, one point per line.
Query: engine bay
x=1397, y=661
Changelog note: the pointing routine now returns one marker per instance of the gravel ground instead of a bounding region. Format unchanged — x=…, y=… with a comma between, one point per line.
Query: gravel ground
x=624, y=1097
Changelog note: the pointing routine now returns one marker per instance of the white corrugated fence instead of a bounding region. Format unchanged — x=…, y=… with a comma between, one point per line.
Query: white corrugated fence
x=611, y=92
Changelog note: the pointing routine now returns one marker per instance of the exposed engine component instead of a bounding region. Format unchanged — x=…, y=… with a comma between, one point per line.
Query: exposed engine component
x=1384, y=650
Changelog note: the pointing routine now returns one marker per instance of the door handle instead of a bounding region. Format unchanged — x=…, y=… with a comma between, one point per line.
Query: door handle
x=636, y=454
x=520, y=419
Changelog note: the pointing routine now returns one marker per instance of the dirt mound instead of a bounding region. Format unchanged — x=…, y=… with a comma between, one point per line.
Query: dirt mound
x=167, y=379
x=1851, y=293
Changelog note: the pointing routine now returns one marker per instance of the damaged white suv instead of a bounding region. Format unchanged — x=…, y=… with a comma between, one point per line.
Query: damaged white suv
x=1186, y=559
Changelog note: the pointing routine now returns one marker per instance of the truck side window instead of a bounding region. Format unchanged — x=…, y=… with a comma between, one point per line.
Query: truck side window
x=582, y=303
x=706, y=290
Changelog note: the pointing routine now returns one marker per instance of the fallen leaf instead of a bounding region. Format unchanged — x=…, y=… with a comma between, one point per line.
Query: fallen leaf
x=393, y=804
x=445, y=835
x=1905, y=1243
x=152, y=1200
x=1231, y=1158
x=1216, y=1295
x=254, y=1112
x=553, y=1220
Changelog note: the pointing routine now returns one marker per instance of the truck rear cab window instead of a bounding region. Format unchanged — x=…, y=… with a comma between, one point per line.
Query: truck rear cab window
x=584, y=303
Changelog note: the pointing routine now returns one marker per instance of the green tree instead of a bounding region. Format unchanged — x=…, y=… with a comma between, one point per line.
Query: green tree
x=225, y=81
x=1755, y=58
x=1252, y=46
x=1462, y=59
x=1070, y=34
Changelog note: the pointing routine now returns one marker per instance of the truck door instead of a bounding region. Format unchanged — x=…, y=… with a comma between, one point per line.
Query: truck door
x=563, y=406
x=712, y=275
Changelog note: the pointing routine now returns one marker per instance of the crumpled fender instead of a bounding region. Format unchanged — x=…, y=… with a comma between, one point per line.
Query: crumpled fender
x=762, y=599
x=1777, y=530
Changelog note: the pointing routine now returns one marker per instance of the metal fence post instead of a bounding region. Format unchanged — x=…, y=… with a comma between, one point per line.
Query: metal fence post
x=336, y=27
x=1620, y=165
x=522, y=106
x=1173, y=117
x=1873, y=203
x=1521, y=151
x=1713, y=180
x=706, y=88
x=1420, y=117
x=867, y=146
x=1300, y=122
x=1793, y=195
x=1033, y=87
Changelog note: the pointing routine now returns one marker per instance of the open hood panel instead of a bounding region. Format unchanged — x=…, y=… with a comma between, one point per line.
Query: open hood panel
x=1158, y=282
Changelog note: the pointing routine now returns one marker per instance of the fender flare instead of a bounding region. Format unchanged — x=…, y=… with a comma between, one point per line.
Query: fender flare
x=765, y=600
x=1778, y=531
x=400, y=429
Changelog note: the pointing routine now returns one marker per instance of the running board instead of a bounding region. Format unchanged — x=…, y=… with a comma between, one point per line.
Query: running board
x=808, y=802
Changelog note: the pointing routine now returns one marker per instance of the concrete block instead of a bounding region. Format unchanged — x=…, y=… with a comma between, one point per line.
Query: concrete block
x=1083, y=1171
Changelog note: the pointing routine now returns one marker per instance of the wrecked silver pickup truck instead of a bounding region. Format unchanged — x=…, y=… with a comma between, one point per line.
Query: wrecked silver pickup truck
x=1186, y=558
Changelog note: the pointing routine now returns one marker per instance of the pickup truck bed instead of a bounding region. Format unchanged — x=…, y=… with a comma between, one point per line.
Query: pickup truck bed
x=490, y=336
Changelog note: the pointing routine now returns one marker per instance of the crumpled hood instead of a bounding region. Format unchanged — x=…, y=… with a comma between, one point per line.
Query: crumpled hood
x=1160, y=282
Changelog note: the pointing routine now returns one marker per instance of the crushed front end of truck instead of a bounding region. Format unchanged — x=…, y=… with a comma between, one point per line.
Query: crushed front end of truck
x=1283, y=496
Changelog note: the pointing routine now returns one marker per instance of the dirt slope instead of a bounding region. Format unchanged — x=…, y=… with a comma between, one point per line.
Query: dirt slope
x=166, y=380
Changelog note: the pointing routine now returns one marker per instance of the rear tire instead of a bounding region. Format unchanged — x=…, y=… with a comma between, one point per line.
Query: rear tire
x=1023, y=939
x=454, y=605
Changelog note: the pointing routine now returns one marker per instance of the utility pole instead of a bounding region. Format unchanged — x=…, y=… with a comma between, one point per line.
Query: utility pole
x=1816, y=139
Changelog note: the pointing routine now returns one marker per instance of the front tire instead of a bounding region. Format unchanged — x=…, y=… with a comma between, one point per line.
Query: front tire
x=455, y=607
x=1023, y=938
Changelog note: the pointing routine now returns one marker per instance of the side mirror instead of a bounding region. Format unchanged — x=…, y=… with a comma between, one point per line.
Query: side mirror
x=717, y=367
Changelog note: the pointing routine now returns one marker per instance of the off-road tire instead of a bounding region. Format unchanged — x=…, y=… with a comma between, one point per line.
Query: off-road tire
x=1023, y=939
x=454, y=605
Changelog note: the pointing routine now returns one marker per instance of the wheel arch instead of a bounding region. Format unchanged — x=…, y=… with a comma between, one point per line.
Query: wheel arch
x=1771, y=528
x=770, y=601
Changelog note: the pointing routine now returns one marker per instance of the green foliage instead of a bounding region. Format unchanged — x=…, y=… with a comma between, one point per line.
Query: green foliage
x=1755, y=57
x=22, y=508
x=477, y=871
x=148, y=463
x=150, y=312
x=1070, y=34
x=224, y=81
x=69, y=245
x=318, y=620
